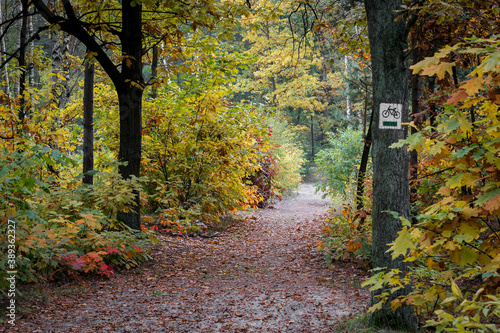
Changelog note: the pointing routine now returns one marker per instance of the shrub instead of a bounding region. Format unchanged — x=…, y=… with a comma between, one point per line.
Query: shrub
x=347, y=236
x=339, y=163
x=59, y=228
x=287, y=153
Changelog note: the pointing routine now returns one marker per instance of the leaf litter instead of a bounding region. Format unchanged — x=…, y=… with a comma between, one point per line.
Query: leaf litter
x=262, y=275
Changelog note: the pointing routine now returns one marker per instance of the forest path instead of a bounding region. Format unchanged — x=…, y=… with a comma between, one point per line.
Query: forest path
x=262, y=275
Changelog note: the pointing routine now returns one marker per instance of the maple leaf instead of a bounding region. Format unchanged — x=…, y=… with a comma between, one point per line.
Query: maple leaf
x=489, y=64
x=473, y=85
x=487, y=197
x=457, y=97
x=427, y=62
x=492, y=204
x=440, y=70
x=402, y=244
x=468, y=256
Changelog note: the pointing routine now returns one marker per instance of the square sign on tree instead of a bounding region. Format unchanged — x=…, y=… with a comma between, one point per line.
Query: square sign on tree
x=390, y=116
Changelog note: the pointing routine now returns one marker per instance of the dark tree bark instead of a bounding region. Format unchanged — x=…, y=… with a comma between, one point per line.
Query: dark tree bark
x=415, y=89
x=60, y=49
x=88, y=123
x=130, y=93
x=360, y=188
x=129, y=84
x=390, y=166
x=154, y=72
x=432, y=107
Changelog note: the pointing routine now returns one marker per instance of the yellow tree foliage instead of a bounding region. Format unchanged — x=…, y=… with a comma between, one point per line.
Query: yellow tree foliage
x=284, y=59
x=455, y=244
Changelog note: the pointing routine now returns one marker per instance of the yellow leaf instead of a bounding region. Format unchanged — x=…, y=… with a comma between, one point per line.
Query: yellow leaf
x=402, y=244
x=469, y=256
x=472, y=86
x=458, y=97
x=396, y=303
x=436, y=149
x=448, y=275
x=465, y=124
x=450, y=245
x=440, y=70
x=469, y=212
x=444, y=191
x=491, y=109
x=427, y=62
x=455, y=290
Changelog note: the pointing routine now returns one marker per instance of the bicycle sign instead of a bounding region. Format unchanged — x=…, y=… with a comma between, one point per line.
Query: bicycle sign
x=390, y=116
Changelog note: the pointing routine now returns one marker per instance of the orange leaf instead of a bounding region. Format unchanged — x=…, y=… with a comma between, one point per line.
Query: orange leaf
x=492, y=204
x=440, y=70
x=458, y=97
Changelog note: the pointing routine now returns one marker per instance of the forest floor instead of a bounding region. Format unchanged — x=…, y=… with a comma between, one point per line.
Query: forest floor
x=263, y=274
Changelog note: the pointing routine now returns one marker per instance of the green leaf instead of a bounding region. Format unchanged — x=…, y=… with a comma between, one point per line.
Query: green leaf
x=427, y=62
x=468, y=256
x=452, y=124
x=483, y=198
x=455, y=181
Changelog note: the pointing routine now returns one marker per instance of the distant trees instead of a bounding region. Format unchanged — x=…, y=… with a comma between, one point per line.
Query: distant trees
x=300, y=69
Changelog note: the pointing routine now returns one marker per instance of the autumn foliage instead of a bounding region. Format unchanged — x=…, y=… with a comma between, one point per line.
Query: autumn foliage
x=454, y=242
x=203, y=157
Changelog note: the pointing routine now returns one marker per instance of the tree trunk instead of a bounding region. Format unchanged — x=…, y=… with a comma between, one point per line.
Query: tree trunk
x=130, y=104
x=60, y=88
x=129, y=85
x=22, y=61
x=415, y=110
x=390, y=166
x=3, y=50
x=348, y=110
x=312, y=139
x=88, y=123
x=66, y=84
x=31, y=66
x=360, y=189
x=154, y=73
x=433, y=110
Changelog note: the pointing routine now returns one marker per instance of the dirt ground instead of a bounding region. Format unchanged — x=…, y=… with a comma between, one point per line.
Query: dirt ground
x=261, y=275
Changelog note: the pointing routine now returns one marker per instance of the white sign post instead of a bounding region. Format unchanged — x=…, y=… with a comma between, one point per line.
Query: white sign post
x=390, y=116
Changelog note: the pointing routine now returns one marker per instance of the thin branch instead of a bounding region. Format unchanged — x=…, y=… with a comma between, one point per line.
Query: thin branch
x=14, y=55
x=435, y=173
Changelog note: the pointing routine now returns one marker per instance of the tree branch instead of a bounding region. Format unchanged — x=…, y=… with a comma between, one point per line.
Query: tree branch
x=75, y=27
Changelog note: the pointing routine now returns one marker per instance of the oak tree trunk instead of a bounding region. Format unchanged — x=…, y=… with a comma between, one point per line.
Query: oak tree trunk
x=390, y=166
